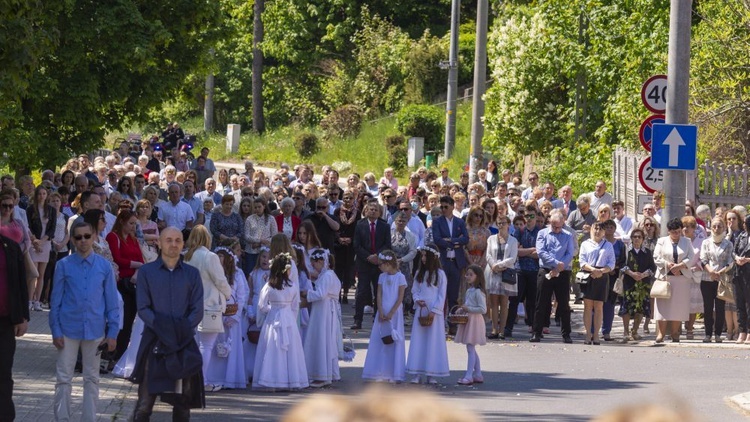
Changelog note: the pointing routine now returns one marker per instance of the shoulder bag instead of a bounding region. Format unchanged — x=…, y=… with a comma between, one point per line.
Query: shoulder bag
x=724, y=290
x=212, y=322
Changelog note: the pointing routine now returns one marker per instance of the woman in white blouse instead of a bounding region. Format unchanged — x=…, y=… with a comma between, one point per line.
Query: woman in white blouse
x=260, y=226
x=501, y=255
x=597, y=258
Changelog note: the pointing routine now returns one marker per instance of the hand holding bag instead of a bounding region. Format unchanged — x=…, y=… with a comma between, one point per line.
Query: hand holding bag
x=582, y=277
x=724, y=290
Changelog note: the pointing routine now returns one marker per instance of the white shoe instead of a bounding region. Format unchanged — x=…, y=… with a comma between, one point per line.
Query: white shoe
x=431, y=380
x=368, y=309
x=415, y=380
x=37, y=306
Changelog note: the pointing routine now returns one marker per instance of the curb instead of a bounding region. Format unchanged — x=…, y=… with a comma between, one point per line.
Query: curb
x=741, y=402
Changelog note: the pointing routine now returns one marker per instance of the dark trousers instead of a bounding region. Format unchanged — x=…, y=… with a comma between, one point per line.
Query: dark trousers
x=559, y=286
x=742, y=298
x=7, y=350
x=527, y=293
x=367, y=290
x=130, y=309
x=145, y=405
x=714, y=326
x=49, y=274
x=248, y=262
x=453, y=274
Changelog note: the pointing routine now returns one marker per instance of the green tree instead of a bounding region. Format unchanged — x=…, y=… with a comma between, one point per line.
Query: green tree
x=110, y=62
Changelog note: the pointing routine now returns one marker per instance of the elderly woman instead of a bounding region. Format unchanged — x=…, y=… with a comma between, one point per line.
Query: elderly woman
x=716, y=255
x=260, y=227
x=227, y=224
x=286, y=222
x=501, y=255
x=404, y=244
x=651, y=228
x=672, y=256
x=637, y=275
x=597, y=259
x=690, y=230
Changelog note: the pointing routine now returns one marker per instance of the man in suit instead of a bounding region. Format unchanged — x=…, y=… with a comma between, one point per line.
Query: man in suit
x=450, y=236
x=371, y=236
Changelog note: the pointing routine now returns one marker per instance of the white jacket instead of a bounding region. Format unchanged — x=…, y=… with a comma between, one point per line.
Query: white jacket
x=216, y=288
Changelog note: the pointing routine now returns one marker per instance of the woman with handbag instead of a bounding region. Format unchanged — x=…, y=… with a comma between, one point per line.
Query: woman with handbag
x=689, y=230
x=717, y=257
x=501, y=275
x=672, y=256
x=216, y=291
x=597, y=259
x=42, y=219
x=126, y=252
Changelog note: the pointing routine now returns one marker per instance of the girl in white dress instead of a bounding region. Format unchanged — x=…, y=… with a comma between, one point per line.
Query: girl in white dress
x=428, y=353
x=472, y=333
x=279, y=360
x=324, y=330
x=387, y=362
x=303, y=284
x=258, y=279
x=229, y=371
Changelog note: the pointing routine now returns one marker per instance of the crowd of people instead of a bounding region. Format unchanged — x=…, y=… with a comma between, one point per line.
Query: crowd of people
x=267, y=261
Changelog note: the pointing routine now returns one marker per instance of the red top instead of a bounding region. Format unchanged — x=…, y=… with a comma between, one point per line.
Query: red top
x=124, y=252
x=4, y=305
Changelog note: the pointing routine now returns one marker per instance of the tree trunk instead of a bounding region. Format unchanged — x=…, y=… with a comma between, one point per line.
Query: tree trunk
x=259, y=125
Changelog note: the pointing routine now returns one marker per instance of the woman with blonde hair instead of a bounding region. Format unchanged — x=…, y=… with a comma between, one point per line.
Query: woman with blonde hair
x=501, y=256
x=216, y=290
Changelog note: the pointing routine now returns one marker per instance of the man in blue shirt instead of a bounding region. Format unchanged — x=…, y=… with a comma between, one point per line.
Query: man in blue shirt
x=170, y=303
x=528, y=269
x=84, y=302
x=555, y=248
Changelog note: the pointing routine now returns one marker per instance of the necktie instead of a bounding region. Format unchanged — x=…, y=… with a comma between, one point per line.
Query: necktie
x=372, y=237
x=674, y=252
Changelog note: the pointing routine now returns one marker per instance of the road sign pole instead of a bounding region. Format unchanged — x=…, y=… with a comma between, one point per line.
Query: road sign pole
x=678, y=72
x=480, y=84
x=451, y=104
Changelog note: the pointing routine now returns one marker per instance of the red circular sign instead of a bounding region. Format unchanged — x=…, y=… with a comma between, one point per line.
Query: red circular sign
x=654, y=94
x=651, y=179
x=645, y=134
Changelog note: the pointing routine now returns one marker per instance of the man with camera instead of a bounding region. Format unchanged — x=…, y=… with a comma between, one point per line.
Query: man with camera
x=84, y=302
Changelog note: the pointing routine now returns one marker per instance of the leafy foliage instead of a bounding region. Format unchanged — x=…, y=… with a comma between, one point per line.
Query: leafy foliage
x=306, y=144
x=397, y=151
x=422, y=121
x=344, y=122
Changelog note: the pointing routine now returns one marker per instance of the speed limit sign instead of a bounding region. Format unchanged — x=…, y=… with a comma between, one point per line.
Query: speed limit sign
x=654, y=93
x=651, y=179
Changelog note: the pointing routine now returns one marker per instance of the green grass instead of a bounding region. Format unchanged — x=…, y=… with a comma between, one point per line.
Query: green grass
x=366, y=153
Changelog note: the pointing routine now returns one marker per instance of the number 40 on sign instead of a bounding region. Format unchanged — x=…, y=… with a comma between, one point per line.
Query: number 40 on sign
x=654, y=93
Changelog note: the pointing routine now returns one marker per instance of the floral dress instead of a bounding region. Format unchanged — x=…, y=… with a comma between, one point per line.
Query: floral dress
x=477, y=246
x=230, y=226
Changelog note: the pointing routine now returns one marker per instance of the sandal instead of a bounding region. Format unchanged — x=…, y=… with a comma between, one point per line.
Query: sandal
x=465, y=381
x=478, y=380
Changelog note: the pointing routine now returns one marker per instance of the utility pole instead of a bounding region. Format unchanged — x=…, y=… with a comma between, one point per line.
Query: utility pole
x=208, y=105
x=678, y=77
x=450, y=106
x=480, y=84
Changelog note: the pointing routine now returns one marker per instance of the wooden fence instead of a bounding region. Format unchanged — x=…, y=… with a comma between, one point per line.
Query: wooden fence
x=724, y=185
x=716, y=184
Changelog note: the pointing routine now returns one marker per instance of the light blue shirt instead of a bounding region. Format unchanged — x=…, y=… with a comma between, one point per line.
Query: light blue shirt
x=597, y=255
x=554, y=248
x=85, y=299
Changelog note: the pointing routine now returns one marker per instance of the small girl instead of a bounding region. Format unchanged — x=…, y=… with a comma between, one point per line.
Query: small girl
x=428, y=353
x=304, y=284
x=258, y=279
x=387, y=362
x=321, y=341
x=279, y=360
x=472, y=333
x=229, y=372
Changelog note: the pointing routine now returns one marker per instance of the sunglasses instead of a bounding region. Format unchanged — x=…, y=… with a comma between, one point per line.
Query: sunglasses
x=648, y=225
x=387, y=196
x=82, y=236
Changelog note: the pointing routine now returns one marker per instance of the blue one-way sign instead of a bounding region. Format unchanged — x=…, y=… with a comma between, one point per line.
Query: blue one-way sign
x=674, y=147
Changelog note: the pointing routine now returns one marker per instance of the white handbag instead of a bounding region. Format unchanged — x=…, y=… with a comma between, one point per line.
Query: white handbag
x=212, y=322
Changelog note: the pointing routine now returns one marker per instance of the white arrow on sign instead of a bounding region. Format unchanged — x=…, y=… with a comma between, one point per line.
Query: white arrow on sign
x=674, y=142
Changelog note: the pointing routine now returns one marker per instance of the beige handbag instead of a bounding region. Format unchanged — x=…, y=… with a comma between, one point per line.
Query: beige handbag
x=724, y=290
x=661, y=289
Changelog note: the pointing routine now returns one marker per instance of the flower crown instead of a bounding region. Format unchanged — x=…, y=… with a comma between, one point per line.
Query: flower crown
x=318, y=254
x=384, y=257
x=283, y=256
x=230, y=253
x=429, y=249
x=298, y=247
x=264, y=248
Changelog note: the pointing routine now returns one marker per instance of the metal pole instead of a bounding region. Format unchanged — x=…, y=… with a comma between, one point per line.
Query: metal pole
x=678, y=75
x=450, y=106
x=480, y=83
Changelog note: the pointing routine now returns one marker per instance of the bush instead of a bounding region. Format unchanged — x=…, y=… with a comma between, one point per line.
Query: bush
x=397, y=151
x=306, y=144
x=422, y=121
x=344, y=122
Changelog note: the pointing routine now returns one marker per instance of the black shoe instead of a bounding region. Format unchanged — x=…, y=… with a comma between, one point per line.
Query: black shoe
x=493, y=336
x=344, y=300
x=567, y=339
x=356, y=326
x=707, y=339
x=578, y=302
x=607, y=337
x=535, y=338
x=502, y=336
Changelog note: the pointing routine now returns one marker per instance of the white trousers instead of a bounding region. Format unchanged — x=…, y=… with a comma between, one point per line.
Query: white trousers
x=206, y=342
x=66, y=362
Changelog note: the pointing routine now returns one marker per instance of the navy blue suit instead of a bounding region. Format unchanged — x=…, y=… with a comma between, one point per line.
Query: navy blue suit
x=459, y=238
